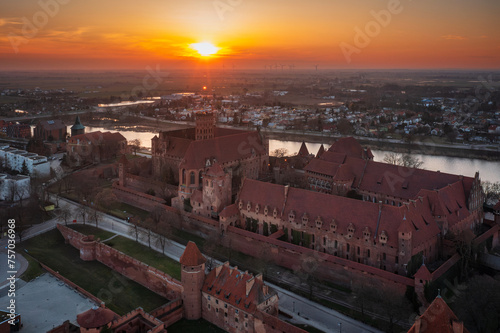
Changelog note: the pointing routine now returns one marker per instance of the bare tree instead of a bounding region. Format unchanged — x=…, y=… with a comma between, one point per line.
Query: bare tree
x=279, y=153
x=135, y=145
x=64, y=215
x=404, y=160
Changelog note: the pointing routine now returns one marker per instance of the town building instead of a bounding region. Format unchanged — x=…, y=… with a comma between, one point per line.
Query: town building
x=14, y=159
x=362, y=210
x=50, y=130
x=94, y=147
x=438, y=318
x=77, y=127
x=5, y=322
x=188, y=154
x=19, y=131
x=14, y=188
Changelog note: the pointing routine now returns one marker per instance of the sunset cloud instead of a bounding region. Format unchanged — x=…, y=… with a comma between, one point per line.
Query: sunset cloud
x=454, y=37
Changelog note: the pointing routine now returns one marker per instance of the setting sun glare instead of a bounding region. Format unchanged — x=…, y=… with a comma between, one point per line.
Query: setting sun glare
x=205, y=49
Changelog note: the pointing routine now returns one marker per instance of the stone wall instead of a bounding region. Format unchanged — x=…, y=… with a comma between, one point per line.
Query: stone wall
x=150, y=277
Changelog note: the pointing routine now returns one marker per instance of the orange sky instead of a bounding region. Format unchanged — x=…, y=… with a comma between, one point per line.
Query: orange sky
x=128, y=34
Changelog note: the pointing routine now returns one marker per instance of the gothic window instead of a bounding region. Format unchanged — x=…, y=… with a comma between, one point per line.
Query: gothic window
x=183, y=176
x=191, y=178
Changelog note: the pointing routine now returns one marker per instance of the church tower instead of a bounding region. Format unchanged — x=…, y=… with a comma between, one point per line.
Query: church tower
x=77, y=127
x=192, y=278
x=205, y=125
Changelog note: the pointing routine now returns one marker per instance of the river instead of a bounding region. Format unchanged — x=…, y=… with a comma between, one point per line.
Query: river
x=488, y=170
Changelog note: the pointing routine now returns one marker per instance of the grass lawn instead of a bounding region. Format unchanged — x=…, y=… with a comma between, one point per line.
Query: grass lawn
x=34, y=269
x=124, y=210
x=120, y=294
x=194, y=326
x=147, y=255
x=91, y=230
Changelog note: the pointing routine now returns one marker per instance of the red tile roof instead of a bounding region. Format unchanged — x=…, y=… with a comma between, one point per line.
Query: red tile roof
x=438, y=318
x=96, y=318
x=321, y=150
x=350, y=147
x=50, y=125
x=423, y=274
x=303, y=152
x=230, y=286
x=215, y=170
x=192, y=255
x=229, y=211
x=377, y=217
x=223, y=149
x=322, y=167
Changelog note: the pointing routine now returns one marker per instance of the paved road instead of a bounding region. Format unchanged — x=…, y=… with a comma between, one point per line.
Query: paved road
x=311, y=313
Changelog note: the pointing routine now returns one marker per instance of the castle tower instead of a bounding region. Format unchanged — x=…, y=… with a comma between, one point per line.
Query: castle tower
x=217, y=188
x=205, y=125
x=122, y=164
x=192, y=278
x=405, y=243
x=77, y=127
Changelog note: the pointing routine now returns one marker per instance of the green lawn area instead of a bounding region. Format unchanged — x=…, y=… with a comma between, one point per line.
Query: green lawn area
x=34, y=269
x=125, y=210
x=91, y=230
x=120, y=294
x=194, y=326
x=147, y=255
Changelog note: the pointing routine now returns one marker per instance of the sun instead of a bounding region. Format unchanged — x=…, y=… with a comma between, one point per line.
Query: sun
x=205, y=49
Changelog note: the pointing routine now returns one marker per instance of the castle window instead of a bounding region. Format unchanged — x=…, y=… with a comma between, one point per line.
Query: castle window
x=191, y=178
x=384, y=256
x=368, y=253
x=240, y=205
x=209, y=297
x=275, y=213
x=249, y=206
x=257, y=208
x=266, y=210
x=319, y=222
x=216, y=301
x=209, y=306
x=305, y=219
x=236, y=311
x=183, y=176
x=333, y=226
x=291, y=216
x=383, y=237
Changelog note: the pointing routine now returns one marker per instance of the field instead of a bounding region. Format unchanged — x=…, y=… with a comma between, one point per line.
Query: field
x=96, y=278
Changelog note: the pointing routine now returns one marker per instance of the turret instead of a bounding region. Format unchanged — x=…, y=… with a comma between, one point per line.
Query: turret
x=192, y=278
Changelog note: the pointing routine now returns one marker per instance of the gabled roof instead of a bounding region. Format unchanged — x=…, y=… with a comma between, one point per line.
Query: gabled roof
x=438, y=318
x=192, y=255
x=223, y=149
x=423, y=274
x=96, y=318
x=229, y=211
x=50, y=125
x=321, y=150
x=303, y=152
x=230, y=285
x=350, y=147
x=215, y=170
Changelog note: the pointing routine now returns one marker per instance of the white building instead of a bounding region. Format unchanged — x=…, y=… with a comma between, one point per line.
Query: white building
x=14, y=188
x=13, y=159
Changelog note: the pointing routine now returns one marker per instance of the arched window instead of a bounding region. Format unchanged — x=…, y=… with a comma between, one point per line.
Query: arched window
x=183, y=176
x=191, y=178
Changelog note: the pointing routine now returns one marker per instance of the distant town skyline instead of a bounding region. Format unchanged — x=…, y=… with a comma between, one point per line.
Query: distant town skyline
x=277, y=35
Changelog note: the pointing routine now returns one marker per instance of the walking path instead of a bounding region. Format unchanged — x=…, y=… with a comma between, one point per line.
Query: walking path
x=301, y=309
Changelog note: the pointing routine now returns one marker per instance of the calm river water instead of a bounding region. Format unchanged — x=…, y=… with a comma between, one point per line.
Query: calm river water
x=461, y=166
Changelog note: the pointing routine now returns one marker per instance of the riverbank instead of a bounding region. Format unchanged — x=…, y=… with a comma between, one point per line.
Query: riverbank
x=426, y=147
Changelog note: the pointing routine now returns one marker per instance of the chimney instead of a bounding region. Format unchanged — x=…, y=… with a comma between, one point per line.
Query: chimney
x=217, y=270
x=249, y=285
x=259, y=277
x=458, y=327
